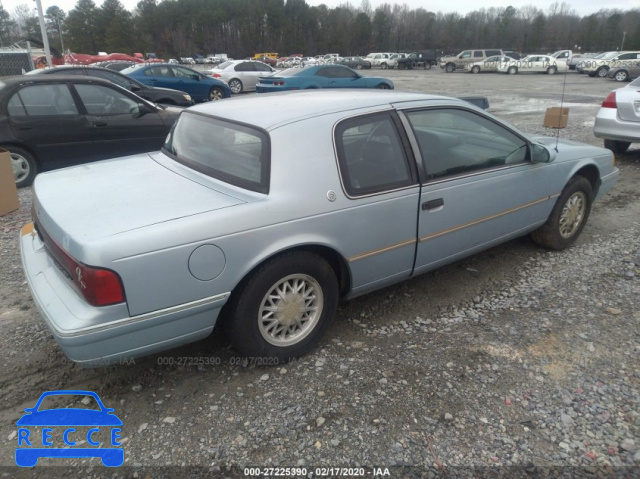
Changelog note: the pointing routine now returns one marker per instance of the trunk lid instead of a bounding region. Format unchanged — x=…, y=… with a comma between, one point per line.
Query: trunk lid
x=93, y=201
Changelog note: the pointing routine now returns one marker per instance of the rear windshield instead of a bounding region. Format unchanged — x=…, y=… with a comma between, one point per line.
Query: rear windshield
x=235, y=153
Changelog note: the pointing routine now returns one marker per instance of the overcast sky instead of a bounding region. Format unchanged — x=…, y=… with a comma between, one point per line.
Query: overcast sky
x=582, y=7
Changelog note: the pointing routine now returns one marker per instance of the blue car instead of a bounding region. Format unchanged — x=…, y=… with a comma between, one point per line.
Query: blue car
x=28, y=452
x=323, y=76
x=178, y=77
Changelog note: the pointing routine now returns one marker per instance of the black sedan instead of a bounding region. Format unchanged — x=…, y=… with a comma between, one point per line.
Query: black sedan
x=51, y=121
x=166, y=96
x=355, y=62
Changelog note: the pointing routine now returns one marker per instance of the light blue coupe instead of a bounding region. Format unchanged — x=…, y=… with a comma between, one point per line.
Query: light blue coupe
x=265, y=211
x=322, y=76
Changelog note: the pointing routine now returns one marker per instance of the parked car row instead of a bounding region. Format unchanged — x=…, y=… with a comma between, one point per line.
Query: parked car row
x=529, y=64
x=495, y=60
x=620, y=66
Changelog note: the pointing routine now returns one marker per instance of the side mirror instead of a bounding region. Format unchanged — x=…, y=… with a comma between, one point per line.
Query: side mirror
x=541, y=154
x=195, y=77
x=141, y=110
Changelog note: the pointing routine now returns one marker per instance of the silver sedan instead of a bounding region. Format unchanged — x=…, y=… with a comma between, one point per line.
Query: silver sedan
x=618, y=120
x=263, y=212
x=241, y=75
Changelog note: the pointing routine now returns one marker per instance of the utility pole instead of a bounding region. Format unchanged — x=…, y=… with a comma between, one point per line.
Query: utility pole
x=624, y=35
x=43, y=31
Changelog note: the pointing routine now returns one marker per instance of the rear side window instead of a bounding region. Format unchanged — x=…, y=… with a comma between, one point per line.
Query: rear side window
x=235, y=153
x=371, y=156
x=478, y=54
x=493, y=52
x=42, y=100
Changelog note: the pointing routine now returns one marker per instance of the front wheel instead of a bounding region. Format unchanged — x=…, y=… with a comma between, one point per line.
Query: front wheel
x=235, y=85
x=617, y=146
x=512, y=71
x=552, y=70
x=475, y=69
x=359, y=66
x=284, y=307
x=216, y=94
x=23, y=165
x=568, y=217
x=383, y=86
x=384, y=66
x=602, y=72
x=621, y=75
x=449, y=68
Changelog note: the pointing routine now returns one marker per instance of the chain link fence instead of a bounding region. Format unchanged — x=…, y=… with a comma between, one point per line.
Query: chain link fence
x=16, y=59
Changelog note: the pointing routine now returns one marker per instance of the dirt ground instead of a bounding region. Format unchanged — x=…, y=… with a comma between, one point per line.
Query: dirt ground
x=33, y=363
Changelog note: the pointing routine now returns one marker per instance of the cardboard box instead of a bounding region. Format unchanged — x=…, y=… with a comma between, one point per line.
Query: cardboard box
x=556, y=117
x=8, y=190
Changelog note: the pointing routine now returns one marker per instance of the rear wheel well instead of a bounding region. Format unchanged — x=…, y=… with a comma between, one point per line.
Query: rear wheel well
x=335, y=260
x=7, y=146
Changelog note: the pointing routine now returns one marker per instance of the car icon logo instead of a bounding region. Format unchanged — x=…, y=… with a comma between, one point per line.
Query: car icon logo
x=65, y=427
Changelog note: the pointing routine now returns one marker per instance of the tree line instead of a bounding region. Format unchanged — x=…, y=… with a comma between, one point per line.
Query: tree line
x=177, y=28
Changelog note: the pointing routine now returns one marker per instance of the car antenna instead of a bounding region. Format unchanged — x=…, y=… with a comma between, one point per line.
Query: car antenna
x=564, y=84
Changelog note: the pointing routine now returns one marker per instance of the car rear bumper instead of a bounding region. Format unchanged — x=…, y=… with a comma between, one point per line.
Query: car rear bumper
x=610, y=127
x=99, y=336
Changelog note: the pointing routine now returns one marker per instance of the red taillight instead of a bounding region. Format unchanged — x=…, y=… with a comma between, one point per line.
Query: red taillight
x=216, y=75
x=610, y=101
x=278, y=82
x=98, y=286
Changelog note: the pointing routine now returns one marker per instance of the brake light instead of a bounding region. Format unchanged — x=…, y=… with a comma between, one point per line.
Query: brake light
x=610, y=101
x=278, y=82
x=216, y=75
x=98, y=286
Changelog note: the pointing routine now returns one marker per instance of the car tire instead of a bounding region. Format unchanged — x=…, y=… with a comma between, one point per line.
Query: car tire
x=568, y=217
x=512, y=70
x=283, y=308
x=449, y=68
x=24, y=165
x=621, y=75
x=216, y=94
x=552, y=70
x=617, y=146
x=602, y=72
x=475, y=69
x=235, y=85
x=402, y=66
x=427, y=65
x=383, y=86
x=384, y=66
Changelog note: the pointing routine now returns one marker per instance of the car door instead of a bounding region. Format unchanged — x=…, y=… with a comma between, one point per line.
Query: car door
x=339, y=77
x=479, y=189
x=260, y=70
x=47, y=118
x=190, y=81
x=379, y=177
x=117, y=127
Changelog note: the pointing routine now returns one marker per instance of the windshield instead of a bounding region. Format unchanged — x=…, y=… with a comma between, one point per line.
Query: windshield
x=224, y=65
x=231, y=152
x=609, y=56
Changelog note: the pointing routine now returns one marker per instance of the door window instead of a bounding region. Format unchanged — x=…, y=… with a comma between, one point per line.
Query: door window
x=455, y=141
x=42, y=100
x=101, y=100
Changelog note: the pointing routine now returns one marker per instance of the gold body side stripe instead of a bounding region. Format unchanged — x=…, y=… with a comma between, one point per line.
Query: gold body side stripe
x=486, y=218
x=447, y=231
x=381, y=250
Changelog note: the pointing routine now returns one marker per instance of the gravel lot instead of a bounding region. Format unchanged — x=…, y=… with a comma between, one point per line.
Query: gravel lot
x=517, y=362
